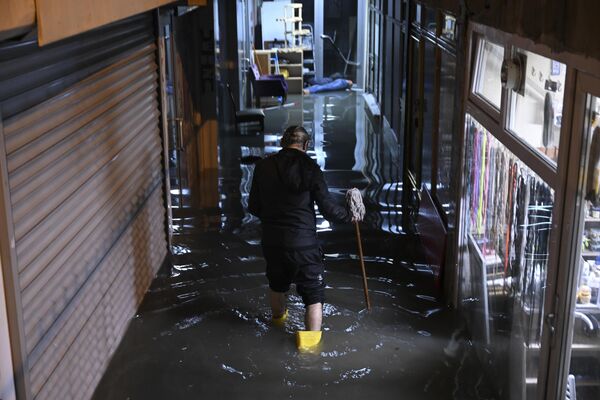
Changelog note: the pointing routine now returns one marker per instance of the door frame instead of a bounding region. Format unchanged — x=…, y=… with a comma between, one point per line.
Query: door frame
x=570, y=250
x=244, y=51
x=173, y=122
x=7, y=377
x=161, y=49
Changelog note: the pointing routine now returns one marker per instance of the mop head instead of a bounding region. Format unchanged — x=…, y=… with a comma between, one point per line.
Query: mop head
x=355, y=204
x=308, y=340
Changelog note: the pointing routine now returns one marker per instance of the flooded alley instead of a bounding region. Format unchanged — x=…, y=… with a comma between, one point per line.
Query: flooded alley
x=169, y=168
x=204, y=328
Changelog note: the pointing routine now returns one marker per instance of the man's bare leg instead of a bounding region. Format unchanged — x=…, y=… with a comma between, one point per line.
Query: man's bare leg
x=313, y=317
x=277, y=304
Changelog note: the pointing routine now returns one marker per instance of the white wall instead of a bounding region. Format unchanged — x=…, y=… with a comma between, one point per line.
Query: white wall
x=271, y=28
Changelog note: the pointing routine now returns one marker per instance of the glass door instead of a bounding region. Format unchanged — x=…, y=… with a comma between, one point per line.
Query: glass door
x=182, y=89
x=244, y=50
x=415, y=128
x=579, y=349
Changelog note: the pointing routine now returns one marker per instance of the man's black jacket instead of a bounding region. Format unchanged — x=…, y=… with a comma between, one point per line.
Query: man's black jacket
x=285, y=188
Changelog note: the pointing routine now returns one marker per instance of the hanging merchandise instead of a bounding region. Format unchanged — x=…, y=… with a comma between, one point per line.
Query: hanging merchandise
x=508, y=225
x=548, y=126
x=593, y=173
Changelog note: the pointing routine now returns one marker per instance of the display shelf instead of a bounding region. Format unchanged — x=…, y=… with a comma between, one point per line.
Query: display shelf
x=591, y=220
x=295, y=84
x=294, y=70
x=292, y=56
x=289, y=59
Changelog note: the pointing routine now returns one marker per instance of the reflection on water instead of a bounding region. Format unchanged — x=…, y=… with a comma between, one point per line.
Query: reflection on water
x=362, y=158
x=215, y=305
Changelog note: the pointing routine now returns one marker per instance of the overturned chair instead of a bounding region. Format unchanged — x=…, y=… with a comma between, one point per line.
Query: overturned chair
x=267, y=85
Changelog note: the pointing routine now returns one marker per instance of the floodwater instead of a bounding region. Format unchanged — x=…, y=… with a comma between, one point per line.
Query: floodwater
x=204, y=330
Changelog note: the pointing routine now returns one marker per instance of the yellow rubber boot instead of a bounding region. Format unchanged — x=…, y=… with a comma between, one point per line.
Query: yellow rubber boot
x=281, y=320
x=308, y=340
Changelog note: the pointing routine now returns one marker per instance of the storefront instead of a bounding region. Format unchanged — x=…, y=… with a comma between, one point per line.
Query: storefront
x=529, y=222
x=503, y=135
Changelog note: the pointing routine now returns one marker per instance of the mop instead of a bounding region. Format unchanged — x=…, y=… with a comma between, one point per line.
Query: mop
x=357, y=209
x=309, y=340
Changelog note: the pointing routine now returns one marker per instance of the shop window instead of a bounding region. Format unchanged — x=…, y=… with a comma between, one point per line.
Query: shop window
x=415, y=138
x=444, y=185
x=388, y=71
x=449, y=28
x=508, y=222
x=417, y=19
x=535, y=114
x=428, y=108
x=376, y=65
x=486, y=82
x=398, y=82
x=430, y=20
x=380, y=55
x=399, y=10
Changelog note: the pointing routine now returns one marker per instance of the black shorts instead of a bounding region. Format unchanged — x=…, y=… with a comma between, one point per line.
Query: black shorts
x=304, y=267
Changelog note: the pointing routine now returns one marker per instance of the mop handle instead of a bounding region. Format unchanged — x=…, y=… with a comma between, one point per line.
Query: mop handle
x=362, y=266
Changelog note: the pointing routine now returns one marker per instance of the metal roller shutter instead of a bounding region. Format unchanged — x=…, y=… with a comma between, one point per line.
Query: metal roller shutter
x=83, y=159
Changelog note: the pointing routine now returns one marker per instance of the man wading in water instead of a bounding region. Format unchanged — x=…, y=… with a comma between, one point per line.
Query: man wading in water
x=285, y=187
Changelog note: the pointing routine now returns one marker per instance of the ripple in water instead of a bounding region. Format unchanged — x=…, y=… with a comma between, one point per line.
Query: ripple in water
x=189, y=322
x=330, y=309
x=232, y=370
x=336, y=354
x=354, y=374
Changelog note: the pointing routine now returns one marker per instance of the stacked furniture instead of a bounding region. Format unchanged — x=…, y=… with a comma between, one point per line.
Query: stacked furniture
x=287, y=62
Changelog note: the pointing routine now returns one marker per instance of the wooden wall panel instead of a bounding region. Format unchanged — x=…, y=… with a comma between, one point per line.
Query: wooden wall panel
x=59, y=19
x=16, y=14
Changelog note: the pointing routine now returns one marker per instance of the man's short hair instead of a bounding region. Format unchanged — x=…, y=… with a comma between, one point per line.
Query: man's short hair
x=294, y=134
